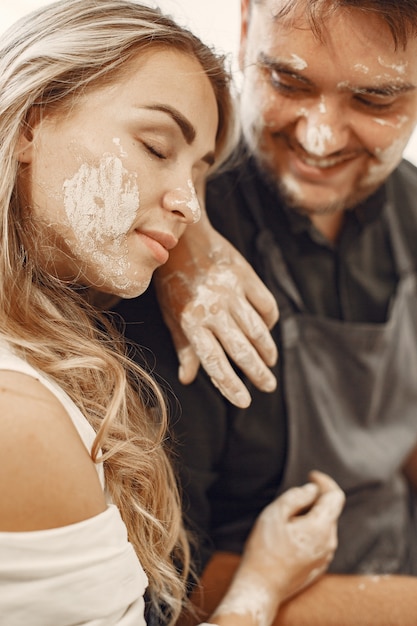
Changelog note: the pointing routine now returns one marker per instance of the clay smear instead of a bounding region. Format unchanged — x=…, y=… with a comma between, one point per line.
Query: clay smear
x=248, y=597
x=317, y=139
x=193, y=203
x=189, y=200
x=101, y=203
x=298, y=63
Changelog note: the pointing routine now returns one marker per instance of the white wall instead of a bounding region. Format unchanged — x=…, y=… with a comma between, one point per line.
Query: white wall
x=215, y=21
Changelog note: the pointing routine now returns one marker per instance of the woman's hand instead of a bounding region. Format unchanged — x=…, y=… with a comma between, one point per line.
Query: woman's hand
x=215, y=305
x=291, y=544
x=295, y=537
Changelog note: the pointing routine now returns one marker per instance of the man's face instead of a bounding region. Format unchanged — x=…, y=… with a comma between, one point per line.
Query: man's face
x=329, y=119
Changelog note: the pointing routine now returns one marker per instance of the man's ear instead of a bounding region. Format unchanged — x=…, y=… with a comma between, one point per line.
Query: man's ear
x=244, y=25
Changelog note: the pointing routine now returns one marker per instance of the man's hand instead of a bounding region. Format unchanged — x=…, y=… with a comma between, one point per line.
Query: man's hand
x=214, y=304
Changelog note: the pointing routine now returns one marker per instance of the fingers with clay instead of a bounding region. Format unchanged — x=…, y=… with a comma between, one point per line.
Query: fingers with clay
x=291, y=544
x=222, y=311
x=220, y=320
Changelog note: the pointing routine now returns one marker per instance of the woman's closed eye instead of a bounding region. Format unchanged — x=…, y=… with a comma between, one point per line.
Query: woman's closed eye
x=155, y=151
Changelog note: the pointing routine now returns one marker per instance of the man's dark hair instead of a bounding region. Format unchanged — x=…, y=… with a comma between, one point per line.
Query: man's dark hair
x=399, y=15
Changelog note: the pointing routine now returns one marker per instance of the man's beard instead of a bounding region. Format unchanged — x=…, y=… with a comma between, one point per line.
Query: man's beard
x=293, y=201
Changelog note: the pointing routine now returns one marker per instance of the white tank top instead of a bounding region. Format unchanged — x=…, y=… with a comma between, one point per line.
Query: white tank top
x=86, y=573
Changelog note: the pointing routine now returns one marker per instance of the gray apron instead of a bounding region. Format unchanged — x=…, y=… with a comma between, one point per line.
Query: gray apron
x=350, y=391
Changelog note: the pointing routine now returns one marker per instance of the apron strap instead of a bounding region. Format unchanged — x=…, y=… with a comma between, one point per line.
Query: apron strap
x=404, y=261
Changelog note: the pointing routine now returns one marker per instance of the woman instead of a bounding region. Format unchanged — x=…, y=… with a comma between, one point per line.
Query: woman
x=104, y=153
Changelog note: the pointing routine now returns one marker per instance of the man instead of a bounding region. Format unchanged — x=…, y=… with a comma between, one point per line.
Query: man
x=322, y=208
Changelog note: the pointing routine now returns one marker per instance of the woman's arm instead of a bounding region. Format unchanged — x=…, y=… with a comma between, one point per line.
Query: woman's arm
x=342, y=600
x=41, y=451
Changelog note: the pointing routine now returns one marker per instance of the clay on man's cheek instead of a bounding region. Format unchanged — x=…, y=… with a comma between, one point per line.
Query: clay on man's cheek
x=292, y=187
x=388, y=158
x=401, y=120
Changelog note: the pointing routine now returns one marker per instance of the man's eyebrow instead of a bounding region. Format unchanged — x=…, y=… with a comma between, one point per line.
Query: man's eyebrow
x=283, y=67
x=185, y=125
x=287, y=68
x=389, y=89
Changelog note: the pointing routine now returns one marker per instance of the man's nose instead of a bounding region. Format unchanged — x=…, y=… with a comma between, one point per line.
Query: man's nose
x=183, y=201
x=321, y=129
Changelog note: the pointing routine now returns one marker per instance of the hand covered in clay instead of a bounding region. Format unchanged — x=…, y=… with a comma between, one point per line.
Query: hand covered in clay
x=214, y=304
x=291, y=544
x=295, y=537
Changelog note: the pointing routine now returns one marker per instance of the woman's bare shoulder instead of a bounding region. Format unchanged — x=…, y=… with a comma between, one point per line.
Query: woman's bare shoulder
x=47, y=477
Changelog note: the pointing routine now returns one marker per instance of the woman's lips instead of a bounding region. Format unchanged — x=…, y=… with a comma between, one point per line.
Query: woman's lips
x=159, y=243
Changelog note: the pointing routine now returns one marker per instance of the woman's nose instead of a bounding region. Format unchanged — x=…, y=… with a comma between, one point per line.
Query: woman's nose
x=183, y=201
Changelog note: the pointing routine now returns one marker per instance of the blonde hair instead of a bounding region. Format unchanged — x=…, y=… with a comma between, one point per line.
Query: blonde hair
x=46, y=60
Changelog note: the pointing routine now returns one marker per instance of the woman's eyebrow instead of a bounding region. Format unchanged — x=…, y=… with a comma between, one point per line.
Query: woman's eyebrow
x=187, y=129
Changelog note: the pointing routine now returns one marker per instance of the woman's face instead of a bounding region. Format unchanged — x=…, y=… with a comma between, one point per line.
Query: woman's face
x=114, y=183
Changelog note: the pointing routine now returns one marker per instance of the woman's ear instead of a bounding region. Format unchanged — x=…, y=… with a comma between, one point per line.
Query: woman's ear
x=24, y=147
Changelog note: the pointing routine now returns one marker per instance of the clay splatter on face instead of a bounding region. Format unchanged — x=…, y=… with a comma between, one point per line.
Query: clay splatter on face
x=101, y=203
x=388, y=160
x=322, y=105
x=298, y=63
x=117, y=143
x=401, y=120
x=359, y=67
x=303, y=112
x=189, y=200
x=397, y=67
x=291, y=189
x=193, y=203
x=318, y=136
x=317, y=139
